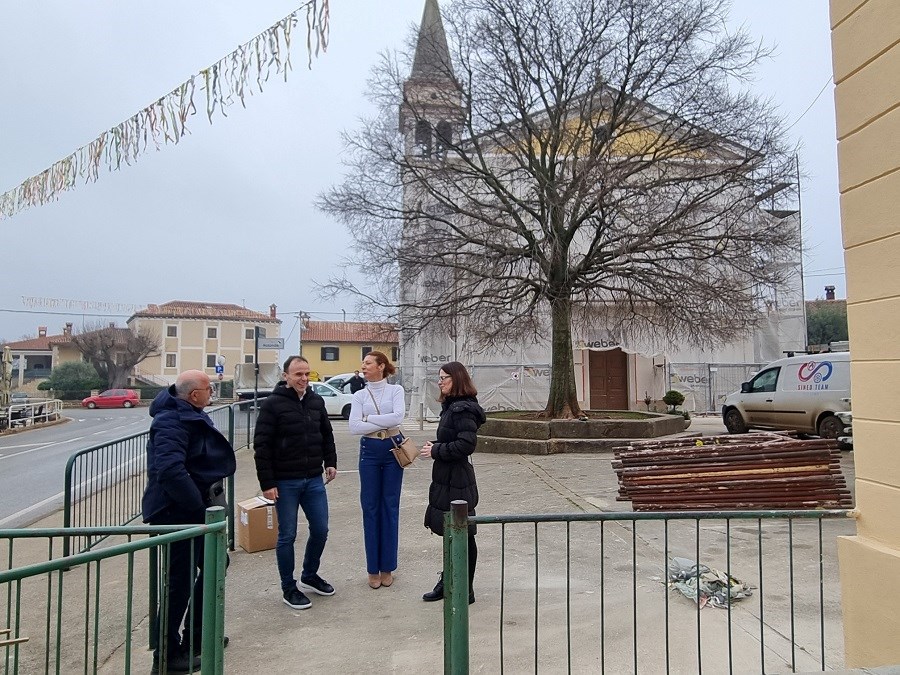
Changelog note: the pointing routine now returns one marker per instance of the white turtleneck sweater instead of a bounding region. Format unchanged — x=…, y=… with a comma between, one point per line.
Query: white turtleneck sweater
x=391, y=404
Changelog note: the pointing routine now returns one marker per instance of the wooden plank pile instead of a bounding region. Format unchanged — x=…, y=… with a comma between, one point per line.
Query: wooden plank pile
x=757, y=471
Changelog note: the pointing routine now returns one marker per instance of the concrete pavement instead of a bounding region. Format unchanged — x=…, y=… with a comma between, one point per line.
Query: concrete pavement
x=360, y=630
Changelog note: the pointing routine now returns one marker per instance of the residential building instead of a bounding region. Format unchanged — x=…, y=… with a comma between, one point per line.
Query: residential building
x=866, y=62
x=201, y=335
x=335, y=347
x=35, y=358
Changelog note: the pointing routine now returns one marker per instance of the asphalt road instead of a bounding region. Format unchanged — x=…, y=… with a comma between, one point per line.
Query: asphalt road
x=33, y=461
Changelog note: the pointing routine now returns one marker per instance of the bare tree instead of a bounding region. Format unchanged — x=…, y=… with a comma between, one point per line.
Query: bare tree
x=114, y=352
x=568, y=162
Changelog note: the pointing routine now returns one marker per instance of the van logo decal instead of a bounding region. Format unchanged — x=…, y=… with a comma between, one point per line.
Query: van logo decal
x=817, y=372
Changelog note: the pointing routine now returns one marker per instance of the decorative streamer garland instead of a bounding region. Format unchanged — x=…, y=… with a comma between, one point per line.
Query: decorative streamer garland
x=165, y=121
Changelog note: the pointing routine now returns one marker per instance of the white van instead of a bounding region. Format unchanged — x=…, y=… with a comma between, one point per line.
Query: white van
x=800, y=392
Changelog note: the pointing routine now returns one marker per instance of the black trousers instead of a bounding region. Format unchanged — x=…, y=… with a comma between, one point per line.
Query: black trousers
x=185, y=578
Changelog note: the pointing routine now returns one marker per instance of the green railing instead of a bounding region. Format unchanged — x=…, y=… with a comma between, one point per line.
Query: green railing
x=74, y=622
x=104, y=483
x=590, y=592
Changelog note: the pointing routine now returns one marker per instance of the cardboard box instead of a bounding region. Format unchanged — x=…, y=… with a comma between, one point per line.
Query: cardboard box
x=257, y=525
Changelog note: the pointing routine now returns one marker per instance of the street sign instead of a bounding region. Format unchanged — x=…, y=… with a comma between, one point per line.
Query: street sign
x=270, y=343
x=220, y=369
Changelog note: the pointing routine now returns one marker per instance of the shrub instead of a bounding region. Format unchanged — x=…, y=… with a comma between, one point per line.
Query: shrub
x=673, y=399
x=75, y=375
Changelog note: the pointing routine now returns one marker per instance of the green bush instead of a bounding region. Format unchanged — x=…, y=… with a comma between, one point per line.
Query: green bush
x=673, y=399
x=74, y=376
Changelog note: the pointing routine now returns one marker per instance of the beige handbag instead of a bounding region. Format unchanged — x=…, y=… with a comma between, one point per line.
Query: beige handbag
x=405, y=452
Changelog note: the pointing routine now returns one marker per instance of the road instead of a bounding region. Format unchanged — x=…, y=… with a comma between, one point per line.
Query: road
x=33, y=462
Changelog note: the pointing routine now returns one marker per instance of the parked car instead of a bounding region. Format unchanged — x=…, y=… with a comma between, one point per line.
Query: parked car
x=340, y=382
x=337, y=403
x=802, y=393
x=18, y=397
x=846, y=418
x=113, y=398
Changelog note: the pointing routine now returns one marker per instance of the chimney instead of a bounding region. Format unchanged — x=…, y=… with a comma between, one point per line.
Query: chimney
x=42, y=331
x=829, y=292
x=67, y=331
x=272, y=313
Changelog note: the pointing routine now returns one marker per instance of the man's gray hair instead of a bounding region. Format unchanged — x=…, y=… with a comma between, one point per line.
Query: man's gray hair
x=187, y=382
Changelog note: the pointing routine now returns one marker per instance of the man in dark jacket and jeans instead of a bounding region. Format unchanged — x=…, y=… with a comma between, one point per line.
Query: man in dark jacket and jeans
x=187, y=458
x=292, y=443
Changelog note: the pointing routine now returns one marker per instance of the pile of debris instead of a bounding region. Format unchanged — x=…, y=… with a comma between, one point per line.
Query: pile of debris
x=750, y=471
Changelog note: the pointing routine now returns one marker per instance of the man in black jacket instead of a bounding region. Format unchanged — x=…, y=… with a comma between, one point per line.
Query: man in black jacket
x=356, y=382
x=292, y=443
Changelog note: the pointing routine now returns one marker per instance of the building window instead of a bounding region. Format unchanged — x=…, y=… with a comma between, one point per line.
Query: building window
x=170, y=361
x=248, y=333
x=212, y=333
x=423, y=138
x=395, y=353
x=248, y=358
x=444, y=137
x=171, y=331
x=365, y=350
x=210, y=360
x=331, y=353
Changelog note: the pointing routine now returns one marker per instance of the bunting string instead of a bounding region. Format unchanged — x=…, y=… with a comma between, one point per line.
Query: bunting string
x=233, y=78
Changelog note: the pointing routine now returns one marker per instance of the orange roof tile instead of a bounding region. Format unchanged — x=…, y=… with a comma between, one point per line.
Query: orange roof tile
x=351, y=331
x=182, y=309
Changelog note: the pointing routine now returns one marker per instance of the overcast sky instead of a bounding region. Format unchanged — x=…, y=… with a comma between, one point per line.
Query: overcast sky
x=227, y=215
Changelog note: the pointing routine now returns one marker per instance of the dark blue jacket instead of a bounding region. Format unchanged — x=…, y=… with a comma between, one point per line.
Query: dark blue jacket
x=186, y=454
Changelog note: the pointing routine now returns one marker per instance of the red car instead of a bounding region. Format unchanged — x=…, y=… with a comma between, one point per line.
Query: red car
x=113, y=398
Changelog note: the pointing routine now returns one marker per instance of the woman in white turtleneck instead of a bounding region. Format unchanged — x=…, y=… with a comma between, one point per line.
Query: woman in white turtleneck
x=376, y=414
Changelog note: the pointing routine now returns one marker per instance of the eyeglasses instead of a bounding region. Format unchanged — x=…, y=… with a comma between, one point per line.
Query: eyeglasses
x=208, y=389
x=441, y=378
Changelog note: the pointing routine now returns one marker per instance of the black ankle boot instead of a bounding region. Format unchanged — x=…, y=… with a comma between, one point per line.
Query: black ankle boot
x=437, y=593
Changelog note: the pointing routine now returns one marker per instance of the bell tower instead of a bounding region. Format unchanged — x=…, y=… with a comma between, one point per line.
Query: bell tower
x=431, y=113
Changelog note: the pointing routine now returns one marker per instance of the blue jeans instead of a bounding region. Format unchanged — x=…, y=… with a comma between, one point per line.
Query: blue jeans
x=380, y=481
x=308, y=494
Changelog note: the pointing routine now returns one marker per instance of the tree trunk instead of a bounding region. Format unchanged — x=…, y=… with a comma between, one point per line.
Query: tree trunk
x=563, y=400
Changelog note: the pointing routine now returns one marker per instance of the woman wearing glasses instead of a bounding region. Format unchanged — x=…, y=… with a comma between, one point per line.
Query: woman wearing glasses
x=453, y=476
x=376, y=414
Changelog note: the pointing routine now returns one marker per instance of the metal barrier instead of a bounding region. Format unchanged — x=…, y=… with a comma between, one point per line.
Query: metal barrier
x=104, y=484
x=56, y=623
x=34, y=412
x=601, y=601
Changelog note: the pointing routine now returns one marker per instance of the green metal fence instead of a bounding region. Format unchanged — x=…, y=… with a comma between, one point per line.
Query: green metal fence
x=590, y=592
x=104, y=483
x=91, y=617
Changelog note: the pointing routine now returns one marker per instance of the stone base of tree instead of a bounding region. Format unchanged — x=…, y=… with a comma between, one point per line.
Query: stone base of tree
x=550, y=437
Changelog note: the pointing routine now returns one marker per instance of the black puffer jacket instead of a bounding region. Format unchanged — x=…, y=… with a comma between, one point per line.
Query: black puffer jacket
x=293, y=438
x=453, y=476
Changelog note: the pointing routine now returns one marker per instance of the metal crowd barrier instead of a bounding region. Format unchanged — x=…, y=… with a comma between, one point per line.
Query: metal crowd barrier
x=87, y=620
x=20, y=415
x=592, y=592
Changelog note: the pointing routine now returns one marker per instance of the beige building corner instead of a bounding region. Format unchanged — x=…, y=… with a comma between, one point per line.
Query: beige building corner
x=866, y=55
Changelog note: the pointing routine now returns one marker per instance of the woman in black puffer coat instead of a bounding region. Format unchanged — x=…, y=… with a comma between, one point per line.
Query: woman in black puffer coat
x=453, y=476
